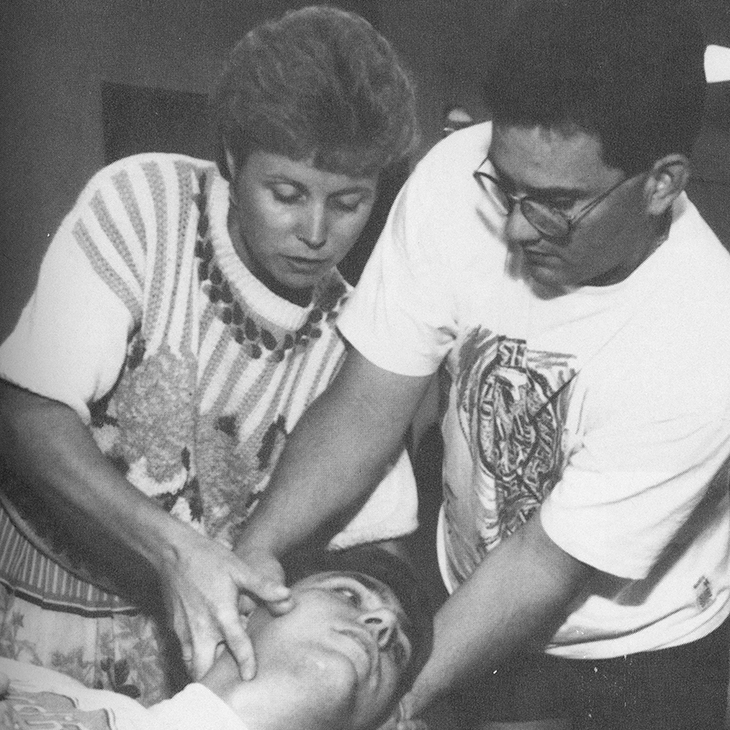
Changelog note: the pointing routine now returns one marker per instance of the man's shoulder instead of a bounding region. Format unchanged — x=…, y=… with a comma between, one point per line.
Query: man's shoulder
x=461, y=152
x=698, y=263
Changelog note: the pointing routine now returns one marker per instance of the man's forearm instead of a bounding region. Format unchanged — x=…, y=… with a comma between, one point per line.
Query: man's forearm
x=517, y=596
x=335, y=456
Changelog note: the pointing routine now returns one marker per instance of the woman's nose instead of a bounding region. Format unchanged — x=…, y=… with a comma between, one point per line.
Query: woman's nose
x=381, y=623
x=313, y=229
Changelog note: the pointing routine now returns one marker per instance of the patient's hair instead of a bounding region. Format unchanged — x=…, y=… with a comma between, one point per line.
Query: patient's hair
x=630, y=72
x=395, y=573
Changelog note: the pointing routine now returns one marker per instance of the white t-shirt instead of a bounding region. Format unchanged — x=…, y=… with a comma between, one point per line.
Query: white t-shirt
x=605, y=408
x=42, y=698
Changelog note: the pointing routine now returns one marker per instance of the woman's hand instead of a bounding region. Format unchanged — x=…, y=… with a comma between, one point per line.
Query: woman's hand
x=202, y=580
x=203, y=585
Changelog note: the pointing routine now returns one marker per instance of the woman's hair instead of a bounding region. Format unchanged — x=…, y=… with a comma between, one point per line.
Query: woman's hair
x=319, y=83
x=630, y=72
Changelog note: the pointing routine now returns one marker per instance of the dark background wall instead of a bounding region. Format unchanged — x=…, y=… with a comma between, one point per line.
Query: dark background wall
x=58, y=56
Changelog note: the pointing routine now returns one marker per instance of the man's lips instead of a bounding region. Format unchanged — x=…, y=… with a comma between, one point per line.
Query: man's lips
x=536, y=255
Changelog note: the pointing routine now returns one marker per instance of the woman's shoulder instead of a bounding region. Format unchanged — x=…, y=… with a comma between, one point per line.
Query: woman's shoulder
x=147, y=167
x=144, y=180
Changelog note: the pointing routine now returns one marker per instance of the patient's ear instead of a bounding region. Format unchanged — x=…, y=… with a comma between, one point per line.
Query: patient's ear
x=667, y=179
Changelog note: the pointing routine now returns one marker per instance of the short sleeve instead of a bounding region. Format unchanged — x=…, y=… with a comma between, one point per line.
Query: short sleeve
x=401, y=316
x=647, y=458
x=70, y=341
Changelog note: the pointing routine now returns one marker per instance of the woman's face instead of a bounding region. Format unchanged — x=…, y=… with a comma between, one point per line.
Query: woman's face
x=291, y=223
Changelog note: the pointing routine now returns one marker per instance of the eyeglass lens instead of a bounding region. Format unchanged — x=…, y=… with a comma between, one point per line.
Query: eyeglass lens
x=545, y=220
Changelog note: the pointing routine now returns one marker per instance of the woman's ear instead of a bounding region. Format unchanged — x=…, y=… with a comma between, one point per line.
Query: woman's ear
x=667, y=179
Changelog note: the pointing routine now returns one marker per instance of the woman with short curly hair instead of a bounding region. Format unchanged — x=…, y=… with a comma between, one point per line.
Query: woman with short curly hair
x=183, y=319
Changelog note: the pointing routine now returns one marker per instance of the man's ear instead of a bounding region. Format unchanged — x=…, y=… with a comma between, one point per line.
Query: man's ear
x=667, y=179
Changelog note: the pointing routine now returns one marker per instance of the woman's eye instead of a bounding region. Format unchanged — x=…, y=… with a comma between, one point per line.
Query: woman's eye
x=286, y=194
x=347, y=205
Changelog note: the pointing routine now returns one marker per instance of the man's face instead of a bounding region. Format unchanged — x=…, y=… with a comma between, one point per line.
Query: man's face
x=342, y=647
x=567, y=172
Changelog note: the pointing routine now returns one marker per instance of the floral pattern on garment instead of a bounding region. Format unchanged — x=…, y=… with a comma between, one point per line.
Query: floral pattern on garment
x=119, y=652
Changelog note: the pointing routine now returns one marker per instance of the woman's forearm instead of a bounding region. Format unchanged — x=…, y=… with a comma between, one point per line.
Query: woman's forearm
x=54, y=454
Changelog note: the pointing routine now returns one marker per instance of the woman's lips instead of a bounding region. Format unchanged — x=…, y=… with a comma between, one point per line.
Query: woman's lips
x=305, y=265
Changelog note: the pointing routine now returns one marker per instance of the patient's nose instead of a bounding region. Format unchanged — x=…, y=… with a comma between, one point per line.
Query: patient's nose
x=381, y=623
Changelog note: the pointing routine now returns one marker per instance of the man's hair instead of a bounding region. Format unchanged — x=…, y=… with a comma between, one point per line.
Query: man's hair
x=389, y=569
x=317, y=83
x=630, y=72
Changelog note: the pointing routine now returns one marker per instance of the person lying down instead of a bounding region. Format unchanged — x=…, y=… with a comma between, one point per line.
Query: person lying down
x=358, y=633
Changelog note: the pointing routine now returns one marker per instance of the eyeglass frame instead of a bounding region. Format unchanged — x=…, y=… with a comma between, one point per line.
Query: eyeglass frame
x=570, y=220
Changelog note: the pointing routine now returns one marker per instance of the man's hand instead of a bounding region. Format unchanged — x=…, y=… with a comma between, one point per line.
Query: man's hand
x=202, y=587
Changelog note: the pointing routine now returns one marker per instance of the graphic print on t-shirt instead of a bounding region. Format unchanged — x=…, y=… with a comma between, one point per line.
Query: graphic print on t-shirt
x=511, y=411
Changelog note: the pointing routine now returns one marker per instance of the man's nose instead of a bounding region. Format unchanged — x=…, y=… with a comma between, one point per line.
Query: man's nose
x=518, y=229
x=381, y=623
x=313, y=228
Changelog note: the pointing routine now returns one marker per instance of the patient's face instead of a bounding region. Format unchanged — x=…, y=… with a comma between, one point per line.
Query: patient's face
x=343, y=644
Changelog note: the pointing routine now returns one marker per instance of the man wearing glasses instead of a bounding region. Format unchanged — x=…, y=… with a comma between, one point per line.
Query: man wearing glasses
x=581, y=309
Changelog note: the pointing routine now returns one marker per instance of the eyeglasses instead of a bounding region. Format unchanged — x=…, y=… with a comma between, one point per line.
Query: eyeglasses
x=547, y=220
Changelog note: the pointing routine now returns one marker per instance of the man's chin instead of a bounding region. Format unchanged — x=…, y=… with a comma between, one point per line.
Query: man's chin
x=548, y=280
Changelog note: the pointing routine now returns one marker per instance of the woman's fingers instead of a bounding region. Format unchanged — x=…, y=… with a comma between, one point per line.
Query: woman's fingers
x=207, y=586
x=238, y=644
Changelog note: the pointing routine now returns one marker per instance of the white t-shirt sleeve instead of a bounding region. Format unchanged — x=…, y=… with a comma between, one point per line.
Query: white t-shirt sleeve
x=70, y=341
x=648, y=455
x=401, y=316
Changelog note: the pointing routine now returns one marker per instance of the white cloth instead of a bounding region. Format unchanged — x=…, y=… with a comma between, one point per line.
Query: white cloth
x=42, y=698
x=606, y=408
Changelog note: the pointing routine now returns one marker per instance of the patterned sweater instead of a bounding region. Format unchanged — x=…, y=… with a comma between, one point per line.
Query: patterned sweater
x=193, y=369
